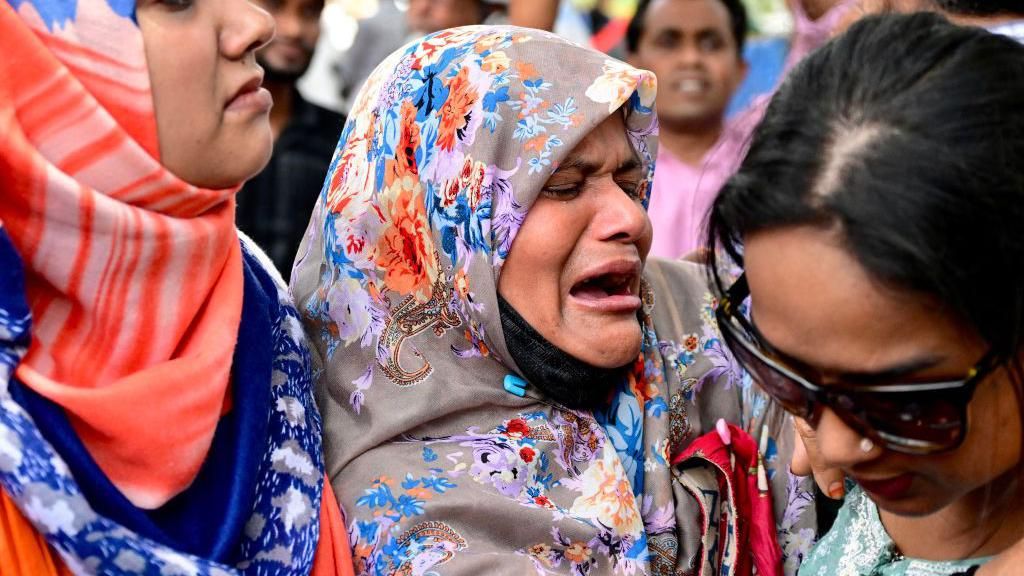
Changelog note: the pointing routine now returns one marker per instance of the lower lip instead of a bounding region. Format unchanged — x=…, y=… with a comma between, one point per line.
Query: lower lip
x=891, y=489
x=617, y=304
x=258, y=100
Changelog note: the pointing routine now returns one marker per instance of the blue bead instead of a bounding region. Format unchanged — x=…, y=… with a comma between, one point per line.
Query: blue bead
x=515, y=385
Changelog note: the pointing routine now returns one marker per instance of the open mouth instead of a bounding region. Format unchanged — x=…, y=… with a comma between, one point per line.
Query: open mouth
x=604, y=286
x=613, y=288
x=690, y=86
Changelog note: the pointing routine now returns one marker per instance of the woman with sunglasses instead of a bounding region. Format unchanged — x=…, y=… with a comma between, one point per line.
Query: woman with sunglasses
x=877, y=219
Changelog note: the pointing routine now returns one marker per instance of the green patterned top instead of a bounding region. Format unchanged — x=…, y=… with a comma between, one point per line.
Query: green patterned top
x=858, y=545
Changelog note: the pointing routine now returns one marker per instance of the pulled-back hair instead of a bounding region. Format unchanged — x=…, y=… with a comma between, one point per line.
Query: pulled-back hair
x=906, y=136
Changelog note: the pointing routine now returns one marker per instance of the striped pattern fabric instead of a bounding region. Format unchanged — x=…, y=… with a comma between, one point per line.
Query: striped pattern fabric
x=134, y=277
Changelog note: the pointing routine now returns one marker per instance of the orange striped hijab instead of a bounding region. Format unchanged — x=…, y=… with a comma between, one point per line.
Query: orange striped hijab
x=134, y=277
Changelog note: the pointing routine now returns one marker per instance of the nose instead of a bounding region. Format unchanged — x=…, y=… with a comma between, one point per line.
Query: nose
x=621, y=218
x=839, y=445
x=689, y=54
x=289, y=24
x=246, y=28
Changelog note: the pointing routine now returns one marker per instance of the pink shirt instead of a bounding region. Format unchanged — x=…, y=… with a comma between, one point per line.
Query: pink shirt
x=682, y=195
x=809, y=34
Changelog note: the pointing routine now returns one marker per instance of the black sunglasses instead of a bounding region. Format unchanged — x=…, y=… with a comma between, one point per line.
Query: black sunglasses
x=913, y=418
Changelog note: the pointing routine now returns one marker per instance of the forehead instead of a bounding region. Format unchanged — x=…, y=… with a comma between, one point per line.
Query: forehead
x=686, y=15
x=605, y=146
x=814, y=301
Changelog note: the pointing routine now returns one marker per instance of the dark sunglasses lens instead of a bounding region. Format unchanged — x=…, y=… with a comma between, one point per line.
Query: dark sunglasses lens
x=787, y=392
x=914, y=422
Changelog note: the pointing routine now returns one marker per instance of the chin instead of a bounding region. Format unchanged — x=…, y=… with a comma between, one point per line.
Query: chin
x=908, y=509
x=240, y=170
x=693, y=115
x=596, y=352
x=912, y=506
x=254, y=155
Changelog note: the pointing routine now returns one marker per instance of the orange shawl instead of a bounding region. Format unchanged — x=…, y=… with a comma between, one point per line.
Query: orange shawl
x=134, y=277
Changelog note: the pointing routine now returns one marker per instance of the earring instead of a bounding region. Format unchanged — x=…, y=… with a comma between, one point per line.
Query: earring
x=866, y=445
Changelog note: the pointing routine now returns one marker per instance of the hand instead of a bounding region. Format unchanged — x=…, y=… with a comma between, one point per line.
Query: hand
x=807, y=460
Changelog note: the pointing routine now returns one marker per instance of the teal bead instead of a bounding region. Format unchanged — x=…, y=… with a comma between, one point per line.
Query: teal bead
x=515, y=385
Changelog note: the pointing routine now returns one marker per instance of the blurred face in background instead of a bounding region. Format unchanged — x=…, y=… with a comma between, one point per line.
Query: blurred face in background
x=426, y=16
x=689, y=45
x=287, y=57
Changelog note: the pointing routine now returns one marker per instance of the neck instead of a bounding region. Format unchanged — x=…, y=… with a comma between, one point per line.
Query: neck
x=693, y=143
x=284, y=100
x=982, y=523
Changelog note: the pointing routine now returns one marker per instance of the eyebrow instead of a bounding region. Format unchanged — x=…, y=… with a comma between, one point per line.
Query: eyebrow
x=889, y=373
x=587, y=167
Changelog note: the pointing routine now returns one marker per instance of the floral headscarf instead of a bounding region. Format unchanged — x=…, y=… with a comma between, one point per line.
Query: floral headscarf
x=433, y=460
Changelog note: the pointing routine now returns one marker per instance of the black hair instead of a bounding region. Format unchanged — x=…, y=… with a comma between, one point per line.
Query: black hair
x=982, y=7
x=906, y=136
x=737, y=19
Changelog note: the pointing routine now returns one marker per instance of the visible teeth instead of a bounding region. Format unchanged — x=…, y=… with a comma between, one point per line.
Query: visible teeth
x=690, y=85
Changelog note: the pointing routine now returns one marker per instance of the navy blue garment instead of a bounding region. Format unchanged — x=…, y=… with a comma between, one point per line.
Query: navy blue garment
x=208, y=518
x=15, y=319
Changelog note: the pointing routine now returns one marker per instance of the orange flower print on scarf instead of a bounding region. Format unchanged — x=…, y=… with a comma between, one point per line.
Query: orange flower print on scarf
x=405, y=250
x=608, y=496
x=352, y=178
x=404, y=163
x=470, y=181
x=456, y=109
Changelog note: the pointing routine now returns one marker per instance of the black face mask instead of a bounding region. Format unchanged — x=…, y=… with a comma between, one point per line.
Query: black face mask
x=560, y=376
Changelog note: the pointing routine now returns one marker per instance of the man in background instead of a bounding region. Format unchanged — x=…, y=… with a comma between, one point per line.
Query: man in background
x=274, y=207
x=695, y=47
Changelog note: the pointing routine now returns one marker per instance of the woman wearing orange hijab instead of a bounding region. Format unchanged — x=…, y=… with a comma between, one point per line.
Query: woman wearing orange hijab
x=156, y=412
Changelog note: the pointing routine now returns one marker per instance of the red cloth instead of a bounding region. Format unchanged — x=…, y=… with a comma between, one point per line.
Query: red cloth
x=745, y=516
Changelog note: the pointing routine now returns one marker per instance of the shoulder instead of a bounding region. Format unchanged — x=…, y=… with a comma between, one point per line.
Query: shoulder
x=678, y=284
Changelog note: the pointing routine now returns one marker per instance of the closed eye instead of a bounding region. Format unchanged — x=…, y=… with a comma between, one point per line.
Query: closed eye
x=566, y=192
x=632, y=188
